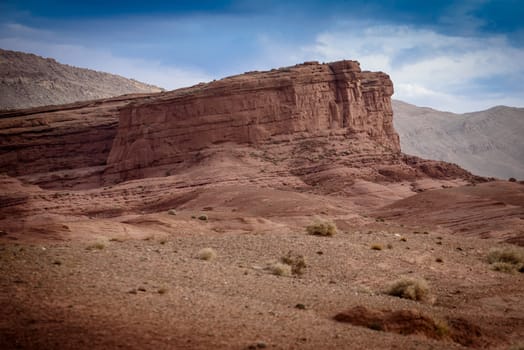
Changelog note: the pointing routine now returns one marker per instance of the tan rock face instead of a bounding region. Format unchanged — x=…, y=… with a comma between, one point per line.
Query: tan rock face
x=255, y=108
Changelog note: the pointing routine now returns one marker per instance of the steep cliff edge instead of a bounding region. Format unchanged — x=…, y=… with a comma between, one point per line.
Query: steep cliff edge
x=257, y=108
x=318, y=126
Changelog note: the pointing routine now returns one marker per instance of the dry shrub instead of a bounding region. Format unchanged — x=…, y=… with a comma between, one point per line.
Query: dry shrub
x=376, y=246
x=207, y=254
x=171, y=212
x=409, y=288
x=96, y=246
x=508, y=259
x=325, y=228
x=503, y=267
x=441, y=328
x=281, y=269
x=297, y=263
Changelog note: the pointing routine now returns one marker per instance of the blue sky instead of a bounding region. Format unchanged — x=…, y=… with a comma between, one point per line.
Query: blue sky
x=451, y=55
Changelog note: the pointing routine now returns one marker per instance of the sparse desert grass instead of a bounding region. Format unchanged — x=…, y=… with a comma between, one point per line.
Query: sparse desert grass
x=441, y=328
x=508, y=259
x=202, y=217
x=280, y=269
x=207, y=254
x=96, y=246
x=376, y=326
x=377, y=246
x=171, y=212
x=503, y=267
x=117, y=239
x=297, y=263
x=325, y=228
x=409, y=288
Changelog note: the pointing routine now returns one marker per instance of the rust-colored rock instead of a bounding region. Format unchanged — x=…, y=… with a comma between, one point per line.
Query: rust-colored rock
x=408, y=322
x=256, y=108
x=324, y=125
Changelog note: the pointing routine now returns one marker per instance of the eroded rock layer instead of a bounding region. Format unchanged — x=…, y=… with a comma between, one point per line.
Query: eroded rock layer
x=320, y=126
x=255, y=108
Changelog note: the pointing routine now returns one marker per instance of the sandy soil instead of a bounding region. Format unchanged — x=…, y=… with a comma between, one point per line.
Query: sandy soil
x=135, y=281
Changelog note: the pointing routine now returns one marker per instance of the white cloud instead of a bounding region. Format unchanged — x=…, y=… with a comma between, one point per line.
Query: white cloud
x=426, y=67
x=44, y=43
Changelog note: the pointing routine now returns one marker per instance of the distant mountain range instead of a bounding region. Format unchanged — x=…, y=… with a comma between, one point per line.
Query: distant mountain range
x=487, y=143
x=27, y=80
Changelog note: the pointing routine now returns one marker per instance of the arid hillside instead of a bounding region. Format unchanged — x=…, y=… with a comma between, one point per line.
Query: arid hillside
x=28, y=80
x=487, y=143
x=265, y=210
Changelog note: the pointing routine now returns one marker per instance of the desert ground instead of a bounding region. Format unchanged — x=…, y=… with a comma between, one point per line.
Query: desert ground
x=137, y=281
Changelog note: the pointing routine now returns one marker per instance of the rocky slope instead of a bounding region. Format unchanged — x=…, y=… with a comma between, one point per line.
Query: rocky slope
x=27, y=80
x=487, y=143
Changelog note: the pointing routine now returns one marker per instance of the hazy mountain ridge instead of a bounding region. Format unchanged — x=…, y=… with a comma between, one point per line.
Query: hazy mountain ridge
x=487, y=143
x=28, y=80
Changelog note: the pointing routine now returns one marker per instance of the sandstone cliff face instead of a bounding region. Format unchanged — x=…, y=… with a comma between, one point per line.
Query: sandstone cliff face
x=255, y=108
x=56, y=141
x=315, y=127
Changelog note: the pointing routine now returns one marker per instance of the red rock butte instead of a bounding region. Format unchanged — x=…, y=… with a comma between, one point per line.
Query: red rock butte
x=256, y=108
x=309, y=119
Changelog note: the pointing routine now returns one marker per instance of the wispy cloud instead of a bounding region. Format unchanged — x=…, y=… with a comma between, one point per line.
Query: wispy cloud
x=429, y=68
x=47, y=44
x=439, y=54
